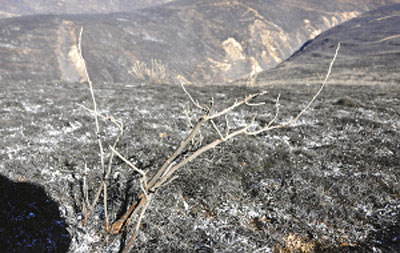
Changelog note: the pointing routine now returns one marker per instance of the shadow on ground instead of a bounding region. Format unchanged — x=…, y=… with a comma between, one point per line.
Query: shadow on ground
x=30, y=220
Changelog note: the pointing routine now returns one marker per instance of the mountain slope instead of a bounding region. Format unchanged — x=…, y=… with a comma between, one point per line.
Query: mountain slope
x=12, y=8
x=369, y=52
x=210, y=41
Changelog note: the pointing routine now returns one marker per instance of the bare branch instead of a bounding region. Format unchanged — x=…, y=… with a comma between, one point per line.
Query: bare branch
x=105, y=199
x=132, y=240
x=188, y=118
x=97, y=129
x=93, y=100
x=235, y=105
x=120, y=126
x=86, y=201
x=143, y=186
x=320, y=89
x=255, y=104
x=170, y=181
x=227, y=125
x=177, y=152
x=276, y=111
x=94, y=202
x=167, y=170
x=201, y=150
x=216, y=129
x=128, y=162
x=125, y=219
x=270, y=127
x=195, y=103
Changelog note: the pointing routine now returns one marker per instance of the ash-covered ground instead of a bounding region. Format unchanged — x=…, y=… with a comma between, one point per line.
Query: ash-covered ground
x=329, y=183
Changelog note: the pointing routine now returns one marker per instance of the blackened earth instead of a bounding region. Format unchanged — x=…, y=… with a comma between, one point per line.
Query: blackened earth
x=328, y=183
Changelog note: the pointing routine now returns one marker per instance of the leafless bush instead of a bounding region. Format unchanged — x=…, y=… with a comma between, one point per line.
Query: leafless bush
x=190, y=148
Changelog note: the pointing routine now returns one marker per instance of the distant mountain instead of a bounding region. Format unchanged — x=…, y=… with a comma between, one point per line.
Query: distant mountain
x=13, y=8
x=208, y=41
x=369, y=53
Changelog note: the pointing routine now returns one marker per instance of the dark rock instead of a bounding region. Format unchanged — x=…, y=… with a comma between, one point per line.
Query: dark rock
x=348, y=101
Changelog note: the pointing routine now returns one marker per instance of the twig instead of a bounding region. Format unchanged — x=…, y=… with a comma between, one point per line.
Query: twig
x=217, y=130
x=94, y=202
x=132, y=240
x=236, y=104
x=177, y=152
x=93, y=100
x=196, y=103
x=128, y=162
x=276, y=111
x=97, y=130
x=227, y=125
x=85, y=189
x=120, y=125
x=269, y=127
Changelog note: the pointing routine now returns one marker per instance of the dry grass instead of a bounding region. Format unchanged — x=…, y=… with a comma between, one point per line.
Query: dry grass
x=155, y=71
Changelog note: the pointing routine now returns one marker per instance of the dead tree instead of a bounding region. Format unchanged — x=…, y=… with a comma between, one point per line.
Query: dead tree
x=166, y=173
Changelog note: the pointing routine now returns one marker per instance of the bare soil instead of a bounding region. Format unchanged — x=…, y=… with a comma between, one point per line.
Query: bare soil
x=329, y=183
